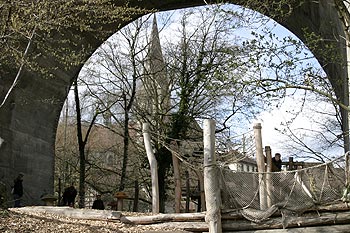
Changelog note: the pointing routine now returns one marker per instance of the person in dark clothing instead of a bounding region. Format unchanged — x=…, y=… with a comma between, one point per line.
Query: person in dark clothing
x=69, y=195
x=98, y=203
x=277, y=163
x=17, y=190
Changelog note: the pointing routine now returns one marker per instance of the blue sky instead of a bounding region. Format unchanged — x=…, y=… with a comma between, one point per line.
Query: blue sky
x=275, y=116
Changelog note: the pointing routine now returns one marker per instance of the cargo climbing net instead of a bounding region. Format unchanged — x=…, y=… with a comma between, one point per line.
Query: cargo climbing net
x=259, y=195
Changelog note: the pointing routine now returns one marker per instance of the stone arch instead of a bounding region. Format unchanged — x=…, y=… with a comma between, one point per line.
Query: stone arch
x=29, y=118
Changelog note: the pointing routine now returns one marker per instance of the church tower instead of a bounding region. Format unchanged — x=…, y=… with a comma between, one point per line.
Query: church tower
x=155, y=85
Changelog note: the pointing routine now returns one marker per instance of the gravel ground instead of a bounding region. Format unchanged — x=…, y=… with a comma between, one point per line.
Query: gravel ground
x=17, y=222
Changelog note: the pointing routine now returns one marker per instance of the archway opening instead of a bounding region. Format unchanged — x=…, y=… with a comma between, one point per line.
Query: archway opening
x=225, y=63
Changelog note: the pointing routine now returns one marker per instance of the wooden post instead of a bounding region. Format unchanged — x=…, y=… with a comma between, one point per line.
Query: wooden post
x=199, y=203
x=269, y=186
x=211, y=181
x=290, y=164
x=201, y=189
x=120, y=200
x=135, y=207
x=154, y=168
x=188, y=198
x=347, y=168
x=260, y=160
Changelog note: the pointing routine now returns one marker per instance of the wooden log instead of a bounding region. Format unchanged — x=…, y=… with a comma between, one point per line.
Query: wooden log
x=159, y=218
x=330, y=222
x=318, y=229
x=226, y=215
x=333, y=207
x=309, y=220
x=201, y=227
x=187, y=226
x=338, y=207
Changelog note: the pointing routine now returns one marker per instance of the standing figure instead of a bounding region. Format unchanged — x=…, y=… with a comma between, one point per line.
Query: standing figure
x=17, y=190
x=69, y=195
x=277, y=163
x=98, y=203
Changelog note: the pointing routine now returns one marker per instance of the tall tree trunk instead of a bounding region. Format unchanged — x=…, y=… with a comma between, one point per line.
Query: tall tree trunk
x=164, y=159
x=81, y=149
x=153, y=166
x=136, y=197
x=126, y=146
x=177, y=179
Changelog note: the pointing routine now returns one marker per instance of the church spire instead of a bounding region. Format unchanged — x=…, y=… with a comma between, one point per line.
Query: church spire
x=155, y=82
x=155, y=55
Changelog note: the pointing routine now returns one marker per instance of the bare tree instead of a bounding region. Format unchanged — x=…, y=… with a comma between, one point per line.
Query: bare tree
x=282, y=68
x=112, y=78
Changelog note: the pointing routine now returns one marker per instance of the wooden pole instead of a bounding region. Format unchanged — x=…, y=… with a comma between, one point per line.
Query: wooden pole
x=154, y=167
x=347, y=168
x=188, y=198
x=269, y=186
x=201, y=189
x=260, y=160
x=290, y=164
x=135, y=207
x=211, y=181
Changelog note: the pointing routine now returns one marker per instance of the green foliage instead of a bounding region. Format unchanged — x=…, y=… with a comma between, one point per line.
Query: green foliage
x=277, y=9
x=53, y=22
x=283, y=63
x=328, y=50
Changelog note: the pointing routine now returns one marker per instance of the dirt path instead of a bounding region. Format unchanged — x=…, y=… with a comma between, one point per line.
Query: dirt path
x=20, y=220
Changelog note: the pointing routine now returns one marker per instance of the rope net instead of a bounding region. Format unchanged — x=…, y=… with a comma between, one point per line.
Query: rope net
x=259, y=195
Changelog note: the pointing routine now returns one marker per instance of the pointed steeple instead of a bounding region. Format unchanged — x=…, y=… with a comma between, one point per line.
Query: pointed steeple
x=155, y=58
x=155, y=82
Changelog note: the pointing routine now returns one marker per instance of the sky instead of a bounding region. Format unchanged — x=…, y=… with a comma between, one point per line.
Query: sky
x=279, y=115
x=276, y=116
x=307, y=120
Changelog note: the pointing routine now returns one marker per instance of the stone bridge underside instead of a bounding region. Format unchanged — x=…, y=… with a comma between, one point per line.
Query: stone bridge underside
x=29, y=118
